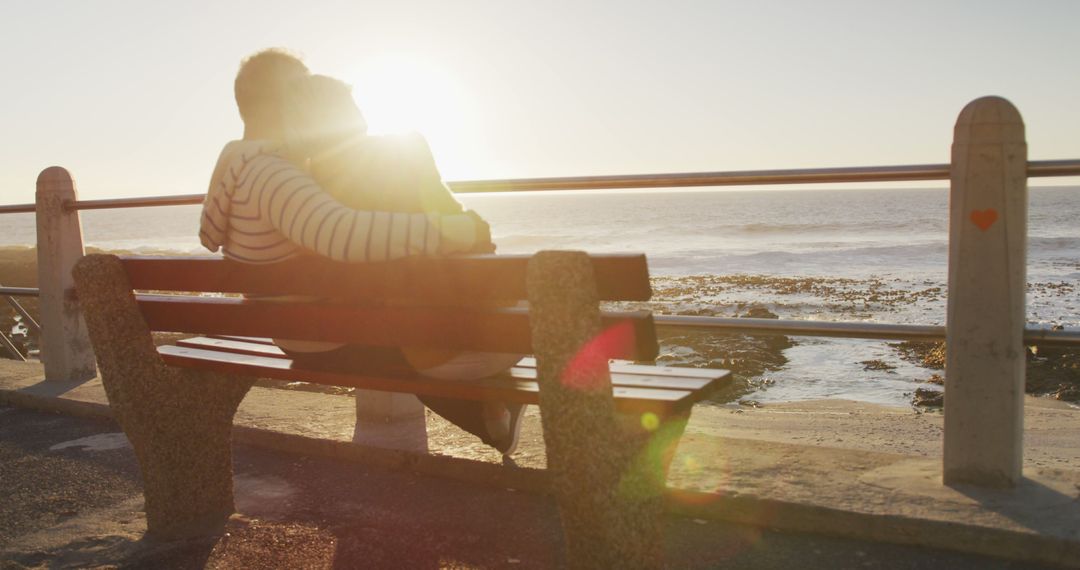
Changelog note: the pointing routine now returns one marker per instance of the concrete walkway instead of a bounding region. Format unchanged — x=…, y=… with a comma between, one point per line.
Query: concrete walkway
x=835, y=468
x=71, y=499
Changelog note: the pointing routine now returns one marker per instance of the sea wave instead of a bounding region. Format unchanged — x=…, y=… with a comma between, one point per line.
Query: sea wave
x=861, y=227
x=1070, y=244
x=140, y=247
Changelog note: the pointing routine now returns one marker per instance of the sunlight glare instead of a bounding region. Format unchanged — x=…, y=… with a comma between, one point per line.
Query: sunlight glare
x=398, y=94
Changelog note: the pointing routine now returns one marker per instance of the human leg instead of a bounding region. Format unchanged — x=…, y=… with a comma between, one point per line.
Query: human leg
x=497, y=424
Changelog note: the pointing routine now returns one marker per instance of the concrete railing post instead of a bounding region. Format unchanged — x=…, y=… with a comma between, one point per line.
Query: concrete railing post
x=65, y=344
x=386, y=419
x=984, y=373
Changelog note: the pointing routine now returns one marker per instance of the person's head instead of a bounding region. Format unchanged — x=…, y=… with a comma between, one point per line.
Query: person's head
x=320, y=115
x=260, y=90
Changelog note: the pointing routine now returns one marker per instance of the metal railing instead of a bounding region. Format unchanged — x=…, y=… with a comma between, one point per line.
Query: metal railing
x=883, y=331
x=10, y=347
x=899, y=173
x=843, y=175
x=19, y=291
x=27, y=320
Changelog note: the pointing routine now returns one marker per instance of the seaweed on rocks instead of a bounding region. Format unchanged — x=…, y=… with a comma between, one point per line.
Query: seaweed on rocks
x=837, y=294
x=1052, y=371
x=928, y=398
x=878, y=365
x=928, y=354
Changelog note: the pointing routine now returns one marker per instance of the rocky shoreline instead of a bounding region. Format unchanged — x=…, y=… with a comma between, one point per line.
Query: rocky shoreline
x=1052, y=371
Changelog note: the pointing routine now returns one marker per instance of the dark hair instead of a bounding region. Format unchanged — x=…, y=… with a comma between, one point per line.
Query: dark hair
x=262, y=80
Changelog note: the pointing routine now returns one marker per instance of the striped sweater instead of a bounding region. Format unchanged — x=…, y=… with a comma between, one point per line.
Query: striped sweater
x=261, y=208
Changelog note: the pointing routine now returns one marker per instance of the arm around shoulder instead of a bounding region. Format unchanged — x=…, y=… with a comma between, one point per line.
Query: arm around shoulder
x=302, y=212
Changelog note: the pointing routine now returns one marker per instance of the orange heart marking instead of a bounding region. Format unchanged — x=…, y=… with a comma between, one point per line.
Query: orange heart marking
x=984, y=218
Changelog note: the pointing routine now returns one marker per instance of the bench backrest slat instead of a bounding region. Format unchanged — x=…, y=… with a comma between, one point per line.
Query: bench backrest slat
x=628, y=334
x=619, y=277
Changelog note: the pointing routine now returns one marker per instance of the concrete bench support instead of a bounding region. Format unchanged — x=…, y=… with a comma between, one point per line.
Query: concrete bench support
x=179, y=421
x=607, y=470
x=65, y=346
x=984, y=374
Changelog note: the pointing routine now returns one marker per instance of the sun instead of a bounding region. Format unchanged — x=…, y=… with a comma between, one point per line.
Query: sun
x=398, y=93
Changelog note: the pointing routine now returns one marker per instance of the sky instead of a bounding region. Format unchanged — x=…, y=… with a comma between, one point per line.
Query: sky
x=135, y=98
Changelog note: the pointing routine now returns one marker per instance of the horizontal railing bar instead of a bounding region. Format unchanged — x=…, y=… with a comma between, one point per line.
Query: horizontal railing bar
x=1037, y=336
x=689, y=179
x=1052, y=168
x=900, y=173
x=1040, y=336
x=18, y=209
x=19, y=291
x=110, y=203
x=806, y=328
x=1051, y=337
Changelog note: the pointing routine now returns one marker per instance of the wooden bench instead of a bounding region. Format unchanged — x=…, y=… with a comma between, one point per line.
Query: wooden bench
x=610, y=430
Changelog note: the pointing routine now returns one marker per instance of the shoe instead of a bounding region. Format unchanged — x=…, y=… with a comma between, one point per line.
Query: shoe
x=506, y=436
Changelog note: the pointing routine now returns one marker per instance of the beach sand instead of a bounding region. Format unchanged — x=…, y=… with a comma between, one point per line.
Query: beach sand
x=18, y=266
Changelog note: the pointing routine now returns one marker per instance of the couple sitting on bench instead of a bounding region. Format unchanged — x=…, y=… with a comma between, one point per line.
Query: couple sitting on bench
x=307, y=179
x=294, y=188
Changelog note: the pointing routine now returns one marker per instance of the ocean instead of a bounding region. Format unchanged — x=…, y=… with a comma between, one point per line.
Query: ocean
x=864, y=255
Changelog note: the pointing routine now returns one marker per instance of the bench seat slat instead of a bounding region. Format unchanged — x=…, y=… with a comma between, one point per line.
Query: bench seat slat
x=619, y=277
x=252, y=339
x=528, y=361
x=235, y=346
x=508, y=389
x=491, y=330
x=706, y=373
x=640, y=379
x=622, y=375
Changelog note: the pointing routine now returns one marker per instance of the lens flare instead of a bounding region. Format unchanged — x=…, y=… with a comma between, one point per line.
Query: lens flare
x=585, y=370
x=700, y=472
x=648, y=472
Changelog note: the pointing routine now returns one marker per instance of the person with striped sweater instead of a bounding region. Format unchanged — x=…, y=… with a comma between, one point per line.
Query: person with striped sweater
x=262, y=207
